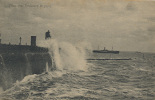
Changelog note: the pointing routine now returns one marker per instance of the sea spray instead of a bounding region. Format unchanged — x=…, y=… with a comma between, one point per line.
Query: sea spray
x=53, y=47
x=1, y=89
x=66, y=55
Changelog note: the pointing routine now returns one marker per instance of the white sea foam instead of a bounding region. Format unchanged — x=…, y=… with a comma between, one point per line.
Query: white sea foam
x=1, y=89
x=66, y=55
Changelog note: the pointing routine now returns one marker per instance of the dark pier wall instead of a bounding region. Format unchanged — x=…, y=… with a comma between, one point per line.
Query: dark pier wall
x=15, y=67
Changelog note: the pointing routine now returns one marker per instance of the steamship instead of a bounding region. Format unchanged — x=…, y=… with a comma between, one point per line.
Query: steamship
x=106, y=51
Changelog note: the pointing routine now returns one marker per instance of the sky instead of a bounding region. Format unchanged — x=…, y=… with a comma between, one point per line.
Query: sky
x=125, y=25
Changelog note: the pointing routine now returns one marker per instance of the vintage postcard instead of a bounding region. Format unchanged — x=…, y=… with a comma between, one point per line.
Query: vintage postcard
x=77, y=49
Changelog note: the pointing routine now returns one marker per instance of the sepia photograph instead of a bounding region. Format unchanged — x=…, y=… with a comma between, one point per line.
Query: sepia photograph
x=77, y=49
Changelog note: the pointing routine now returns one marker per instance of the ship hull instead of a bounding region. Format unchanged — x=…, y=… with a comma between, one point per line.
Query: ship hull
x=105, y=51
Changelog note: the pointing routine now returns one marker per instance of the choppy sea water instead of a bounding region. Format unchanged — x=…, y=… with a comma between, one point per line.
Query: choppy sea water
x=103, y=80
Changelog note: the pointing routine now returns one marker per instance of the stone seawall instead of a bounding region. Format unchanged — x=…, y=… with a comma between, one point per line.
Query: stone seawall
x=15, y=67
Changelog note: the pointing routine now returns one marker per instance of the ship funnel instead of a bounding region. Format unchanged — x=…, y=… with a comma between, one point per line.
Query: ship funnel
x=33, y=40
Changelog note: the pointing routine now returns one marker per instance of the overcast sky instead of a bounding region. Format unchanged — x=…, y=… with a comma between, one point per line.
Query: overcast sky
x=127, y=25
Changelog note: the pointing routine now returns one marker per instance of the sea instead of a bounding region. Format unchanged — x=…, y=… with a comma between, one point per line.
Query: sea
x=77, y=78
